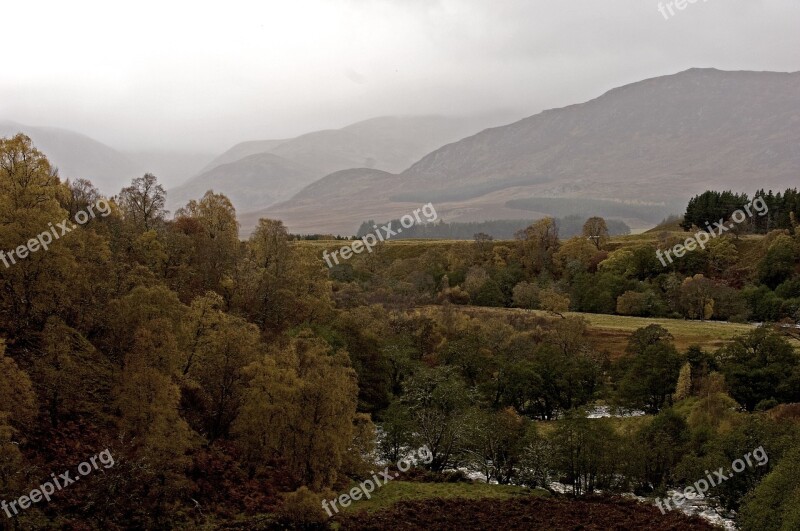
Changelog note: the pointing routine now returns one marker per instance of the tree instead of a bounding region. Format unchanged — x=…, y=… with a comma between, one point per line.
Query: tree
x=619, y=262
x=397, y=430
x=576, y=252
x=650, y=371
x=697, y=297
x=438, y=399
x=71, y=375
x=17, y=400
x=779, y=262
x=39, y=285
x=639, y=304
x=554, y=302
x=585, y=452
x=664, y=441
x=222, y=352
x=526, y=295
x=278, y=285
x=539, y=242
x=493, y=443
x=596, y=231
x=148, y=402
x=299, y=406
x=684, y=387
x=143, y=202
x=216, y=244
x=711, y=206
x=11, y=461
x=773, y=505
x=761, y=365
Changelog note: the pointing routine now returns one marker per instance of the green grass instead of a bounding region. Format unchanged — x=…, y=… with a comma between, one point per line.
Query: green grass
x=397, y=491
x=611, y=332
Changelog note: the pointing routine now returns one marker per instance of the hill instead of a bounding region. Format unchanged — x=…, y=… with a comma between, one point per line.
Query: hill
x=245, y=181
x=641, y=150
x=79, y=157
x=390, y=143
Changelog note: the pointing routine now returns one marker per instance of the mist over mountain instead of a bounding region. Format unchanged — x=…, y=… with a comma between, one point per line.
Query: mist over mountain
x=77, y=156
x=389, y=143
x=262, y=178
x=172, y=168
x=644, y=146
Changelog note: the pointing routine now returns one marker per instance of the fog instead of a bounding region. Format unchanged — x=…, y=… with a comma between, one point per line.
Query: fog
x=203, y=75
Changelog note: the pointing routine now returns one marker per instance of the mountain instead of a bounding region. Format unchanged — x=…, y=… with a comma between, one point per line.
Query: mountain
x=244, y=181
x=78, y=156
x=171, y=167
x=242, y=150
x=389, y=143
x=638, y=151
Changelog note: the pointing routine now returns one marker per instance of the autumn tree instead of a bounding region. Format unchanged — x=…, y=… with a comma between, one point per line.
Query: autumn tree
x=538, y=243
x=218, y=361
x=143, y=202
x=526, y=295
x=299, y=407
x=551, y=300
x=575, y=254
x=277, y=284
x=33, y=286
x=596, y=231
x=216, y=243
x=18, y=404
x=71, y=375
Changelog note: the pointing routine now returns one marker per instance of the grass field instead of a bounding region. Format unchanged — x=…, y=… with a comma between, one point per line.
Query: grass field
x=611, y=332
x=396, y=491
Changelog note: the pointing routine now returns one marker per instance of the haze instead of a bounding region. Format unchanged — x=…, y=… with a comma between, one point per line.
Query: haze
x=202, y=76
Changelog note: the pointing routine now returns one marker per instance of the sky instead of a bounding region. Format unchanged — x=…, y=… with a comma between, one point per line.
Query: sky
x=202, y=76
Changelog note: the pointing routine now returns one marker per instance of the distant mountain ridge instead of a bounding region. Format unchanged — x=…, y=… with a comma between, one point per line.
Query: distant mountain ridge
x=389, y=143
x=657, y=141
x=77, y=156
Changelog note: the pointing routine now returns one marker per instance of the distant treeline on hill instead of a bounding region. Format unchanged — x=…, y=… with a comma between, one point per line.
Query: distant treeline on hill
x=503, y=229
x=711, y=206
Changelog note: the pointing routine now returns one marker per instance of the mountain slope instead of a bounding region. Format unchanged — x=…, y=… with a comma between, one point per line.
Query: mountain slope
x=263, y=178
x=78, y=156
x=385, y=143
x=242, y=150
x=652, y=144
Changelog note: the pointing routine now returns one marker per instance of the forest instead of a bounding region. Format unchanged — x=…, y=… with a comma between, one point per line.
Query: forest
x=239, y=383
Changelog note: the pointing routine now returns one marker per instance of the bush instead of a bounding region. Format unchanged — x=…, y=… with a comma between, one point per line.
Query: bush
x=303, y=508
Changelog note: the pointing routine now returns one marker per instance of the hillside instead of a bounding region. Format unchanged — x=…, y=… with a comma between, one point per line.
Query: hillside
x=79, y=157
x=390, y=143
x=244, y=181
x=646, y=147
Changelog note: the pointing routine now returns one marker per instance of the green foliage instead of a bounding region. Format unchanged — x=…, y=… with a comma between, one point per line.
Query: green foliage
x=759, y=366
x=775, y=502
x=650, y=372
x=710, y=207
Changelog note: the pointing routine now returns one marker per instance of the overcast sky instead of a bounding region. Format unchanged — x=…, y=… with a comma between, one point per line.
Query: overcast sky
x=200, y=75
